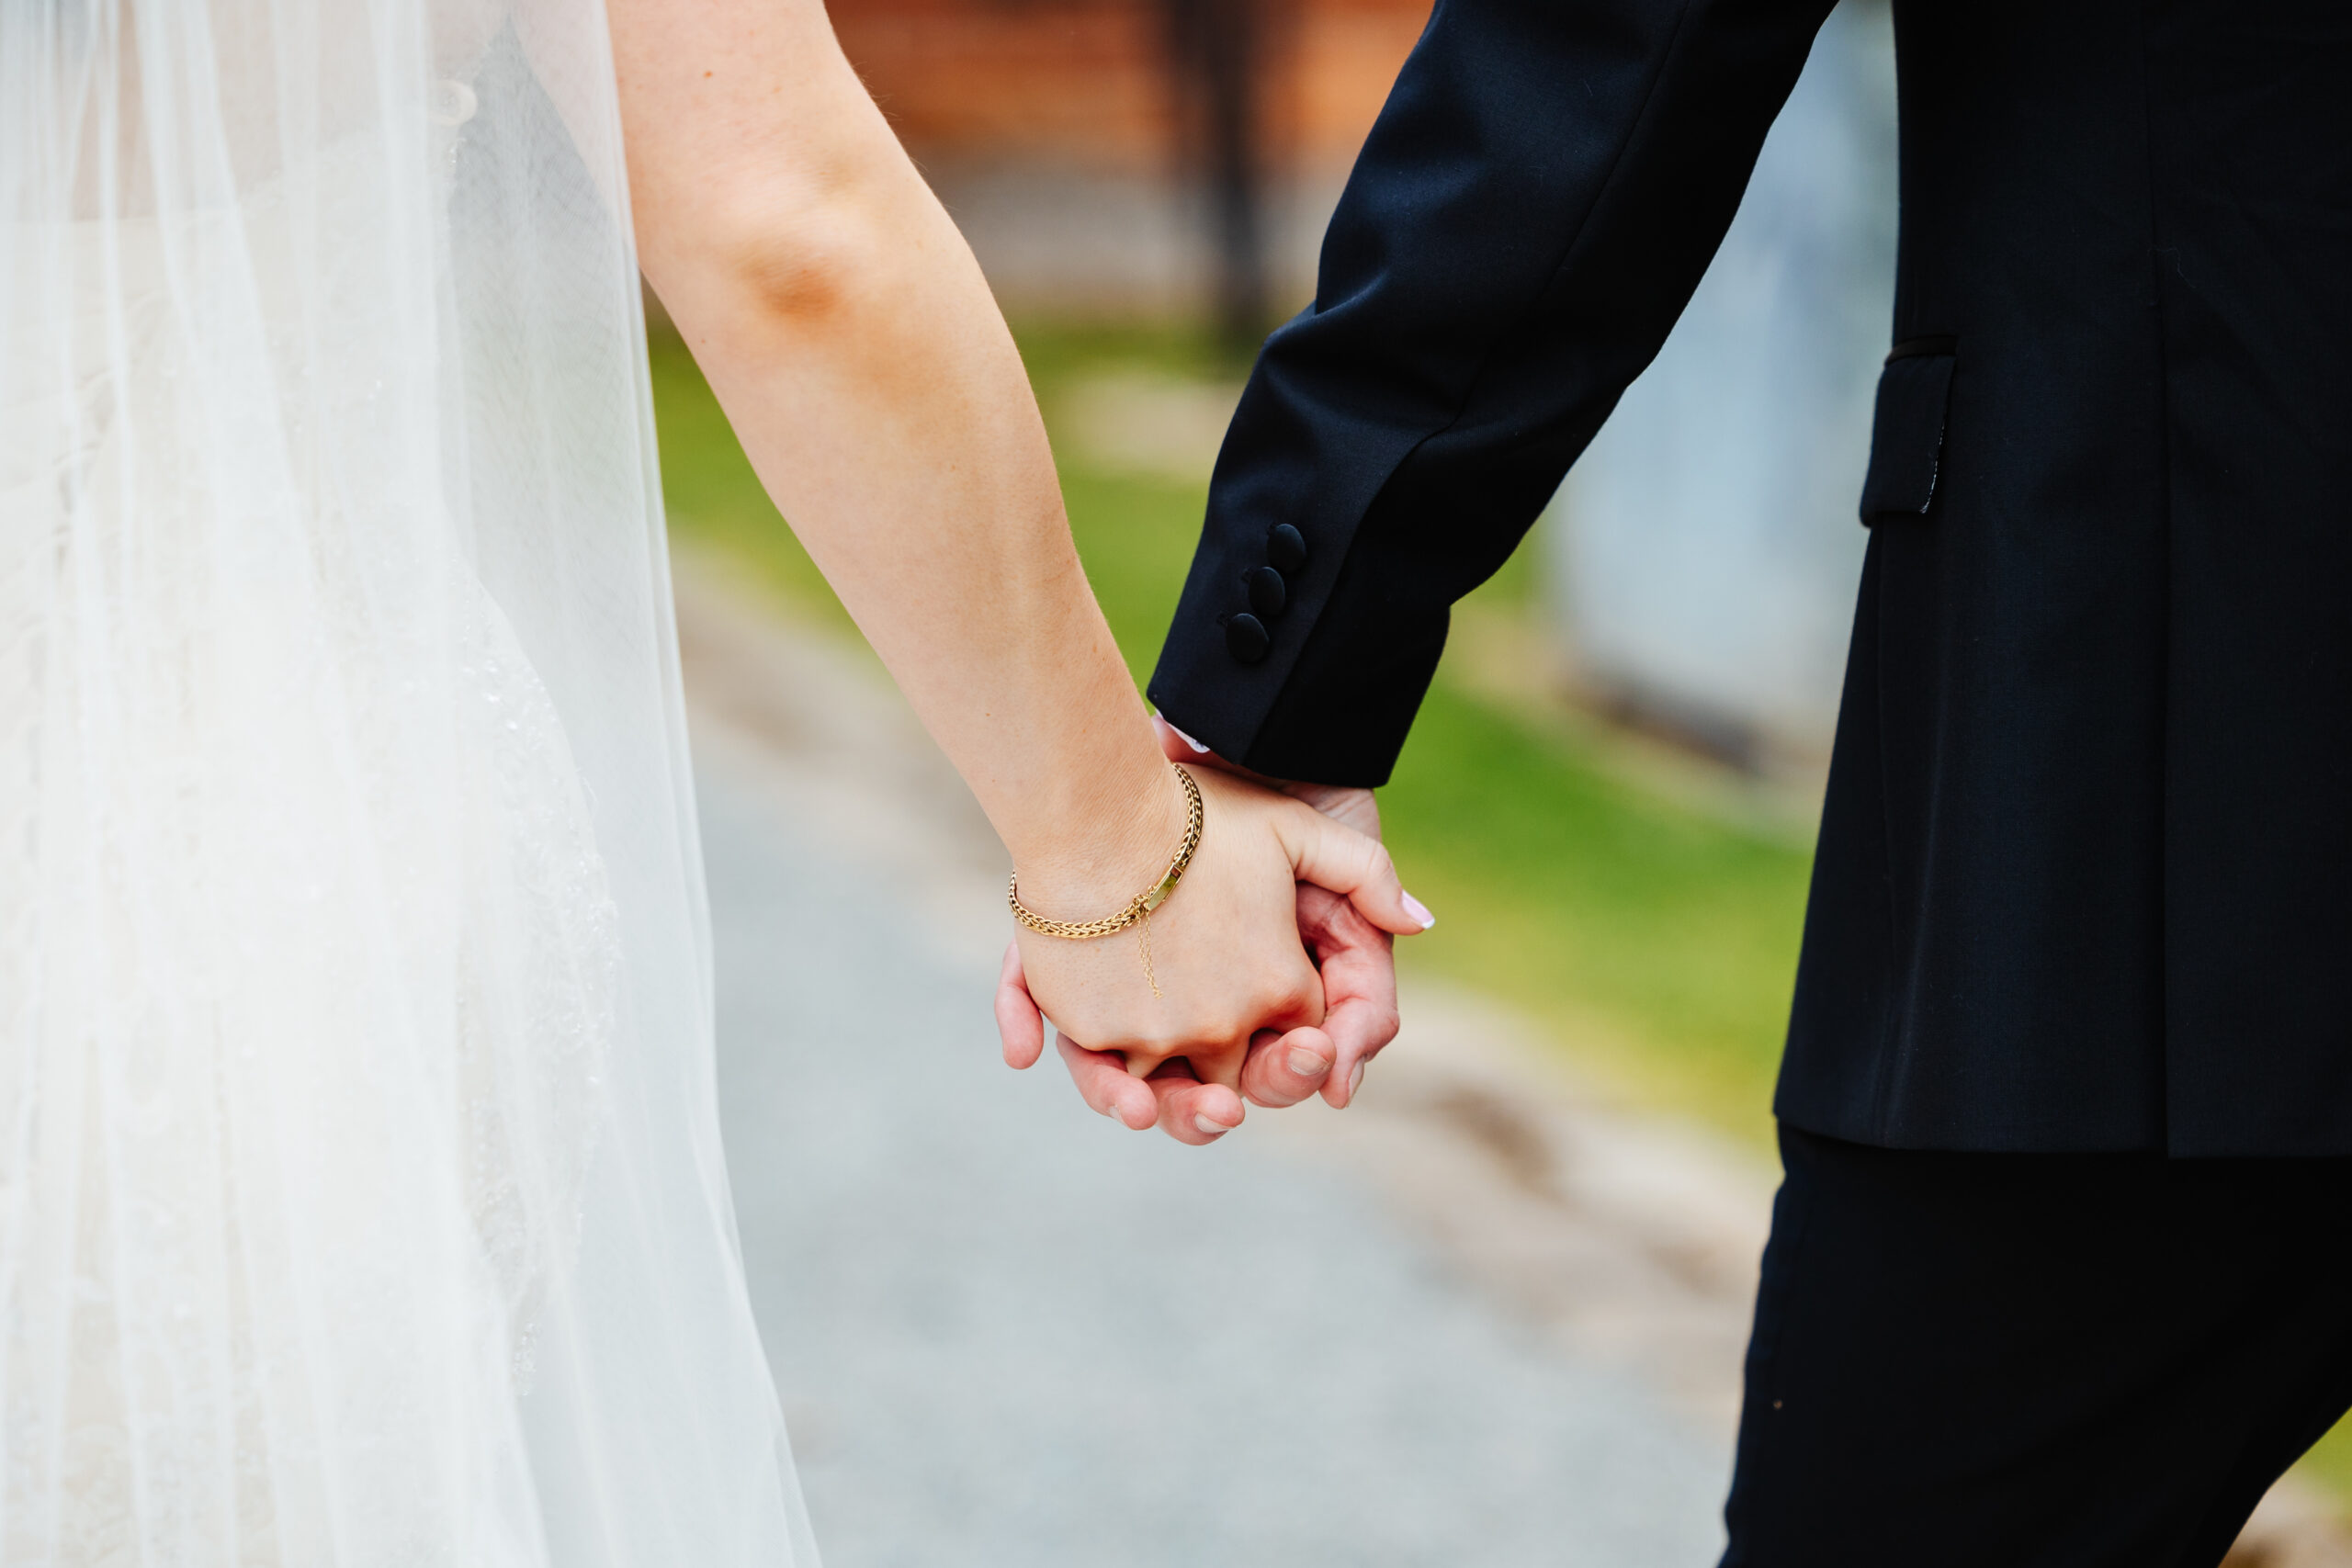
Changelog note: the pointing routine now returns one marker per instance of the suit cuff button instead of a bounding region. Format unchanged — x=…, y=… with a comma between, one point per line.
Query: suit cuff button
x=1268, y=593
x=1285, y=548
x=1246, y=638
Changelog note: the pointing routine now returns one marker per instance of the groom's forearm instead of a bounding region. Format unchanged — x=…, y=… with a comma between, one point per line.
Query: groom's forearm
x=1535, y=204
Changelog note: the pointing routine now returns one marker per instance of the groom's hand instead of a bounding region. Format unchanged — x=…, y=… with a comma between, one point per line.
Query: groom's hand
x=1357, y=959
x=1357, y=966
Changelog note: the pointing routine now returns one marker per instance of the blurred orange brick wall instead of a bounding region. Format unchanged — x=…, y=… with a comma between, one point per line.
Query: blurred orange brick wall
x=1082, y=82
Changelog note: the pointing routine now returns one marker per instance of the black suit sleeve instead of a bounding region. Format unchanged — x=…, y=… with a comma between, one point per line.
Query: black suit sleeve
x=1532, y=209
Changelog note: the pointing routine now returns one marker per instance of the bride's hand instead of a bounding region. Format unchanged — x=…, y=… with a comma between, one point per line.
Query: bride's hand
x=1225, y=951
x=1359, y=976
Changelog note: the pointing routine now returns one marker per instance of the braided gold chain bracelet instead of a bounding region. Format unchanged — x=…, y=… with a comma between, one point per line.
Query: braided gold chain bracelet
x=1139, y=908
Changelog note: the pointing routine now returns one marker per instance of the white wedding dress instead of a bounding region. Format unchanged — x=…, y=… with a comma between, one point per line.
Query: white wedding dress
x=361, y=1199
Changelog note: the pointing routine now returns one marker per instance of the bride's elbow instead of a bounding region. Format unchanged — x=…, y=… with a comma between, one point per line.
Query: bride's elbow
x=765, y=257
x=801, y=267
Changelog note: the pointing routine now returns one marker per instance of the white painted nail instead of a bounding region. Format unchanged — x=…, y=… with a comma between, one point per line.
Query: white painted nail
x=1112, y=1110
x=1190, y=741
x=1418, y=911
x=1214, y=1129
x=1355, y=1082
x=1307, y=1064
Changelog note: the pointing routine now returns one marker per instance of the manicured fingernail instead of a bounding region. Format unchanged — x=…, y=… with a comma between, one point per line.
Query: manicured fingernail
x=1307, y=1064
x=1114, y=1113
x=1214, y=1129
x=1190, y=741
x=1418, y=911
x=1355, y=1082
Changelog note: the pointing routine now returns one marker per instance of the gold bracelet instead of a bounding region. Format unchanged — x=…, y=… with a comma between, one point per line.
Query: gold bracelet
x=1139, y=908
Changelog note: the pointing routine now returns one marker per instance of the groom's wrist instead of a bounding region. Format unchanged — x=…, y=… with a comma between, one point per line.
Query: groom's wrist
x=1351, y=804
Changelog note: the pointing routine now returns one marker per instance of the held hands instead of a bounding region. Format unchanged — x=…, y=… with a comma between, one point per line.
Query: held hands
x=1273, y=957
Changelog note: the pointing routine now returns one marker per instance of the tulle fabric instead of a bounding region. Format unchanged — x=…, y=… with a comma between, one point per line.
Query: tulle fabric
x=361, y=1199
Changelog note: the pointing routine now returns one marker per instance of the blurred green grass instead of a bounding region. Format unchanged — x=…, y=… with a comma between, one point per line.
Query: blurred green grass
x=1656, y=941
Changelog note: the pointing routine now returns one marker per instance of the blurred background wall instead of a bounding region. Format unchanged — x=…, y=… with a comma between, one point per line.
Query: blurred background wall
x=1704, y=551
x=1116, y=158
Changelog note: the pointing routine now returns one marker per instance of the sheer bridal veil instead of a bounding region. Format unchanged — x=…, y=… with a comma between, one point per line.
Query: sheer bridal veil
x=360, y=1191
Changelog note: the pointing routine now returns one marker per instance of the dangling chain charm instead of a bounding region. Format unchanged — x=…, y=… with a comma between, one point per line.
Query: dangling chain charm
x=1139, y=908
x=1143, y=936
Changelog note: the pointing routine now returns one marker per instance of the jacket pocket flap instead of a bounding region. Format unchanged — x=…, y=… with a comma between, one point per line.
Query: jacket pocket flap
x=1907, y=434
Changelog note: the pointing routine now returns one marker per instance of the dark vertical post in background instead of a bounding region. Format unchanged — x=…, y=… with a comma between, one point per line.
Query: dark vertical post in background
x=1216, y=52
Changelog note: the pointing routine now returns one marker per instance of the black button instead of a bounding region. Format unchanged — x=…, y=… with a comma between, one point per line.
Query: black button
x=1268, y=593
x=1285, y=547
x=1246, y=638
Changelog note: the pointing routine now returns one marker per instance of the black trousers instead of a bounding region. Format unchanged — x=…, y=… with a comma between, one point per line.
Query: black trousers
x=2029, y=1359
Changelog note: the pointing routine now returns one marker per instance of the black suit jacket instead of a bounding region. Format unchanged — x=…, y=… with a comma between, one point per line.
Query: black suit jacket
x=2084, y=876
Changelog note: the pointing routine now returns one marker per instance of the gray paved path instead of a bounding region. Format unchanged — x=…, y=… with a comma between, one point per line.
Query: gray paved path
x=1483, y=1318
x=1008, y=1334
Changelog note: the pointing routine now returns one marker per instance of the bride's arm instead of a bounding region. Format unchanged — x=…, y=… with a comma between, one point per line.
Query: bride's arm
x=845, y=327
x=847, y=330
